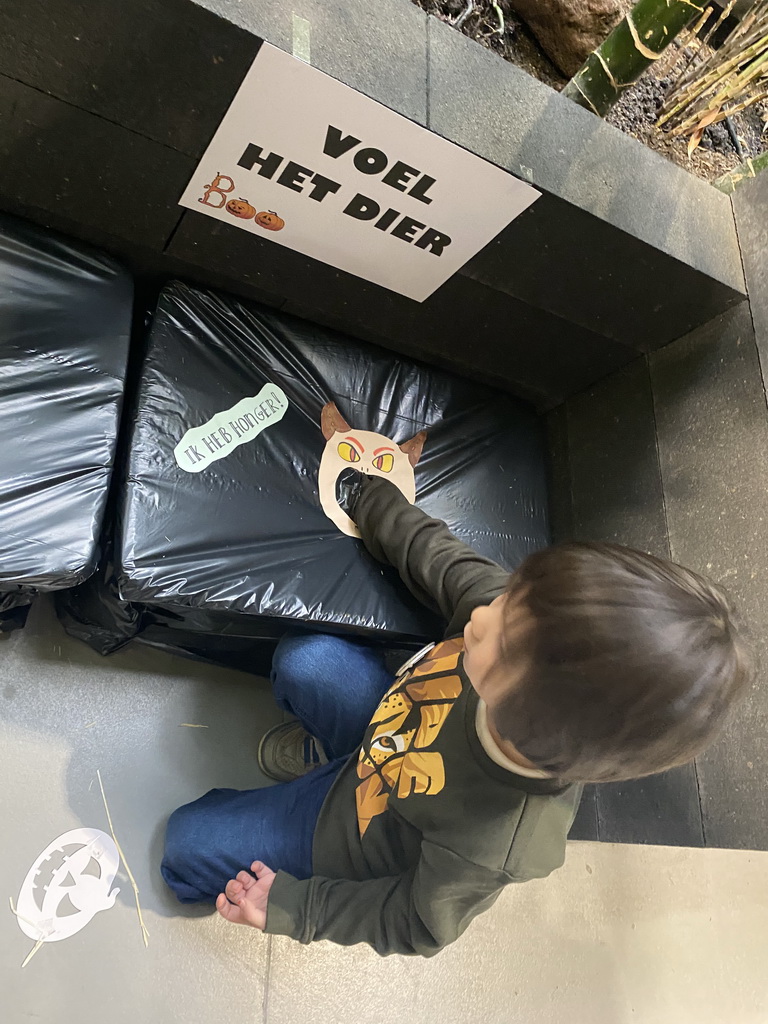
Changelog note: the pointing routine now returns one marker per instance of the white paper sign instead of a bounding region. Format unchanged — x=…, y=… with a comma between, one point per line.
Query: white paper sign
x=307, y=162
x=227, y=430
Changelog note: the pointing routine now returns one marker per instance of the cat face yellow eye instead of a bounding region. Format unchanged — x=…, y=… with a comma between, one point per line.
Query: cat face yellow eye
x=348, y=452
x=384, y=462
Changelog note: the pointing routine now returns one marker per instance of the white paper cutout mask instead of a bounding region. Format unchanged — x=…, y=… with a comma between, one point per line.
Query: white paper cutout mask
x=69, y=883
x=367, y=452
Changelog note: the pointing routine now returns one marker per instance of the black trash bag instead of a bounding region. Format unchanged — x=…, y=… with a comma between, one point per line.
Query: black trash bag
x=65, y=320
x=95, y=613
x=240, y=547
x=14, y=608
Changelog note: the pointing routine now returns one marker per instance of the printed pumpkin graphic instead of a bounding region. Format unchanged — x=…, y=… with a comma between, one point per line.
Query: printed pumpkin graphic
x=396, y=755
x=241, y=208
x=268, y=219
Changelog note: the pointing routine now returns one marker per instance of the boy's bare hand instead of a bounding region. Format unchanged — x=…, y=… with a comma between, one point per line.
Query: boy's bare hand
x=244, y=900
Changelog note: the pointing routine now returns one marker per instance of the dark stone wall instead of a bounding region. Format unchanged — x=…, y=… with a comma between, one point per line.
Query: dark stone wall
x=106, y=105
x=670, y=454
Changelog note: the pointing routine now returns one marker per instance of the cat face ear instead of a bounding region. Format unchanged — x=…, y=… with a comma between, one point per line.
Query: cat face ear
x=413, y=447
x=332, y=422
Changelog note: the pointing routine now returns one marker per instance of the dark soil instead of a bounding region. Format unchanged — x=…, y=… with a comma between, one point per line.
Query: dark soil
x=637, y=110
x=518, y=45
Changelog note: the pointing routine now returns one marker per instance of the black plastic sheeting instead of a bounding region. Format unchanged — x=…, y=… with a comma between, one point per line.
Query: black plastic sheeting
x=242, y=550
x=65, y=320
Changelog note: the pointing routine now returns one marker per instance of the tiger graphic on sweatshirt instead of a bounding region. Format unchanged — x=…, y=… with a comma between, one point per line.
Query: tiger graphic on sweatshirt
x=395, y=756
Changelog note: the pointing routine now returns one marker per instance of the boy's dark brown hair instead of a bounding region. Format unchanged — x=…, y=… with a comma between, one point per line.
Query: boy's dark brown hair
x=632, y=663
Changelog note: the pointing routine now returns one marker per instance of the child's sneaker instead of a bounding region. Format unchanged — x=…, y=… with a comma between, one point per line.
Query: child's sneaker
x=288, y=751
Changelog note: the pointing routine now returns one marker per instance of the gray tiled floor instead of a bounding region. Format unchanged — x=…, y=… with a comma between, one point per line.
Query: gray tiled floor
x=648, y=935
x=64, y=713
x=621, y=935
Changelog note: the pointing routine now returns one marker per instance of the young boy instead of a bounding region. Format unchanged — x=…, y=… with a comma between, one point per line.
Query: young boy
x=414, y=802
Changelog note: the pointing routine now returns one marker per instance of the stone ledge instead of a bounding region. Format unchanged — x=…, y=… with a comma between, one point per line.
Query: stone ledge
x=750, y=203
x=503, y=114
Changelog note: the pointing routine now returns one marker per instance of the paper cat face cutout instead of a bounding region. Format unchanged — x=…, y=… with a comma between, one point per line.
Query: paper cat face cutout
x=367, y=452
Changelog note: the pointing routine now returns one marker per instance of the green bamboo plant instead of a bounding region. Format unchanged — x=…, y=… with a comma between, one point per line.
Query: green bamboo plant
x=728, y=80
x=635, y=43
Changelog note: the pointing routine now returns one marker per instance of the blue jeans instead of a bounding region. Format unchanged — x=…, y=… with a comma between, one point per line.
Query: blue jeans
x=332, y=686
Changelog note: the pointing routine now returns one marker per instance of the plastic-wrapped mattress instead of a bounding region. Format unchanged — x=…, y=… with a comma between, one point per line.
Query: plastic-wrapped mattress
x=65, y=319
x=229, y=531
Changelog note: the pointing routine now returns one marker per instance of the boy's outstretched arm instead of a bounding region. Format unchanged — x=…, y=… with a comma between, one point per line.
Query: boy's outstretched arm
x=416, y=913
x=422, y=910
x=441, y=571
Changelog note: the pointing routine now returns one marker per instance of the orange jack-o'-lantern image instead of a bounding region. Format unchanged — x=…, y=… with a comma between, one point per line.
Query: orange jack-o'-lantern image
x=241, y=208
x=268, y=219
